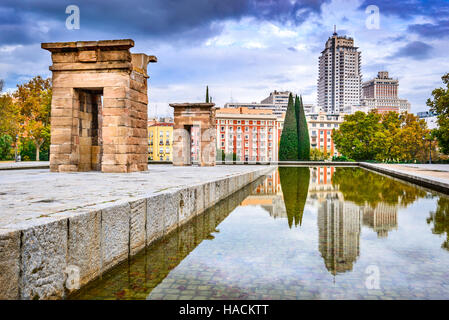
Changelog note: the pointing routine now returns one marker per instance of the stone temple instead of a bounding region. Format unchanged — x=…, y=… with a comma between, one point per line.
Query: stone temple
x=99, y=109
x=187, y=117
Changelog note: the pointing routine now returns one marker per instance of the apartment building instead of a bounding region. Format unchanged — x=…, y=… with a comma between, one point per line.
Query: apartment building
x=252, y=134
x=339, y=75
x=278, y=99
x=381, y=94
x=276, y=109
x=160, y=140
x=320, y=127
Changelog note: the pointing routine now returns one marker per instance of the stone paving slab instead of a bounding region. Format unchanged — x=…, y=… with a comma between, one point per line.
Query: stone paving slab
x=432, y=176
x=32, y=194
x=428, y=166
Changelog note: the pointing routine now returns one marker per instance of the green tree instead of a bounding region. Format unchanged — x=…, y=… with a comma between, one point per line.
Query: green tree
x=5, y=147
x=288, y=149
x=303, y=131
x=207, y=94
x=440, y=105
x=295, y=187
x=359, y=136
x=382, y=137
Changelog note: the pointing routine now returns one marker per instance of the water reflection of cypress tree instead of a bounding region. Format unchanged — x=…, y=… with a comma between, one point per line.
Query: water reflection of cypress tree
x=440, y=219
x=295, y=186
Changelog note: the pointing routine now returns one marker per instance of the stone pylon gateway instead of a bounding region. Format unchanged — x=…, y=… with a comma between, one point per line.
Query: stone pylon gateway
x=188, y=116
x=99, y=109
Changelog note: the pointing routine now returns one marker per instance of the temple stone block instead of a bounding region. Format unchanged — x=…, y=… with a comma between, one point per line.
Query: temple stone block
x=188, y=116
x=99, y=103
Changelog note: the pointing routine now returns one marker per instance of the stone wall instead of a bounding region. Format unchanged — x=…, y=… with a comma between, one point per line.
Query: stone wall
x=37, y=256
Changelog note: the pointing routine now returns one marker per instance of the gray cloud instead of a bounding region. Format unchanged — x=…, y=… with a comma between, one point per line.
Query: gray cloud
x=416, y=50
x=436, y=30
x=176, y=20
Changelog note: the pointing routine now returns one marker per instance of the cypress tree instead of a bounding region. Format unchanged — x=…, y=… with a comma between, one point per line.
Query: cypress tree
x=295, y=187
x=303, y=133
x=288, y=149
x=297, y=103
x=207, y=94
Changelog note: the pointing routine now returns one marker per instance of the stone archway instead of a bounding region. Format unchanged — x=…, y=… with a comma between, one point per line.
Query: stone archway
x=188, y=116
x=99, y=109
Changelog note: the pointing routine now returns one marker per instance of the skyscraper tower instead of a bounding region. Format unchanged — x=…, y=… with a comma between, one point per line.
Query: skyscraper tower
x=339, y=75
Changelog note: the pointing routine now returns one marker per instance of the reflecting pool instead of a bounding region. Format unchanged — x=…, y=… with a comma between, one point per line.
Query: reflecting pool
x=299, y=233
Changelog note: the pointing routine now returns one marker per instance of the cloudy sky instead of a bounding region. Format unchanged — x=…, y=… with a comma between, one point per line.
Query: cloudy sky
x=242, y=49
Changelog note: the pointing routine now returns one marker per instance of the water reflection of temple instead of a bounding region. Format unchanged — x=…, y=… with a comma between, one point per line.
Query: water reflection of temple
x=269, y=196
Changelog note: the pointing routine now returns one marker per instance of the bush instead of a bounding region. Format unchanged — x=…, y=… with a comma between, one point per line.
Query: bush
x=6, y=150
x=342, y=159
x=318, y=155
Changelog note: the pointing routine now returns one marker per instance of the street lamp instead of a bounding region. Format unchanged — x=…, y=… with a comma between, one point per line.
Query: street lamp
x=429, y=137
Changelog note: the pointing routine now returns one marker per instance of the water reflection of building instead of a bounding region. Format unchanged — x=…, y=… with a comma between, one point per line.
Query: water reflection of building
x=339, y=233
x=340, y=221
x=320, y=184
x=381, y=219
x=268, y=195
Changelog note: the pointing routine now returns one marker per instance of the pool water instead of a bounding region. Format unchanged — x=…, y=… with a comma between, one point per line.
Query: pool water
x=299, y=233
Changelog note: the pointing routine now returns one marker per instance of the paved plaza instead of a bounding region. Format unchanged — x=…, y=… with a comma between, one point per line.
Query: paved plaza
x=33, y=193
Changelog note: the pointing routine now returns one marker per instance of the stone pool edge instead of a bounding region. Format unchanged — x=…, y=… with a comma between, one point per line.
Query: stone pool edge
x=40, y=257
x=420, y=180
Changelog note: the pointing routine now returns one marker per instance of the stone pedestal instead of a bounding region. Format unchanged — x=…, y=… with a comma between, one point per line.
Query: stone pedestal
x=187, y=116
x=99, y=107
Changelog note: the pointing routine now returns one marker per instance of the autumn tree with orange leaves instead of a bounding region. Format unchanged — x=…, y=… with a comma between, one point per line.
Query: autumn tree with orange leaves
x=33, y=102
